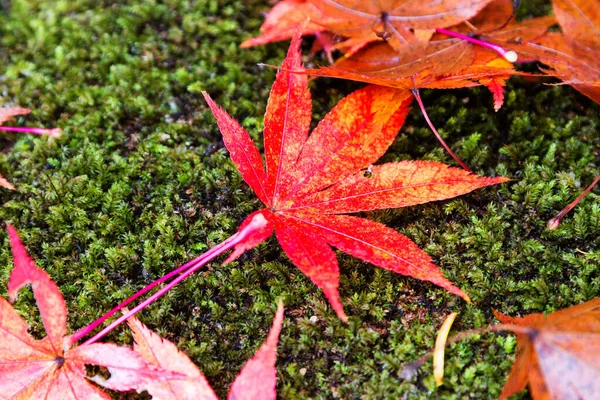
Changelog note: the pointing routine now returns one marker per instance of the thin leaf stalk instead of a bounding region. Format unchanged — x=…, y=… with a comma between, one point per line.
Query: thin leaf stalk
x=554, y=223
x=184, y=271
x=54, y=132
x=417, y=95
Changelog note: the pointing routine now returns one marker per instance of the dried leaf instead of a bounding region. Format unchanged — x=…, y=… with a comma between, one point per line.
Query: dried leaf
x=6, y=184
x=573, y=55
x=395, y=20
x=446, y=62
x=558, y=355
x=8, y=113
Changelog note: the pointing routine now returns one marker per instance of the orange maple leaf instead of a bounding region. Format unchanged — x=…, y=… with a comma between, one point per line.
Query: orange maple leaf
x=558, y=355
x=404, y=25
x=256, y=381
x=310, y=182
x=447, y=62
x=50, y=368
x=398, y=22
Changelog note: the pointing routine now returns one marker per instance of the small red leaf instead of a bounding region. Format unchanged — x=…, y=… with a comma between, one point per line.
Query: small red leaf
x=496, y=86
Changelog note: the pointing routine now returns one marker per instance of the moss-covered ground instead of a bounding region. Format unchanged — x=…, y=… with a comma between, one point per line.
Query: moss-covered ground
x=140, y=182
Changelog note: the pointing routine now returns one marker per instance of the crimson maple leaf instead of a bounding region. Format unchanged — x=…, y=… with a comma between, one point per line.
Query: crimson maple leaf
x=311, y=181
x=256, y=381
x=50, y=368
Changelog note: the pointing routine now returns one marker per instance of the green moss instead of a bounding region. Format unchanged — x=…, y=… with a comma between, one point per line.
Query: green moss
x=140, y=183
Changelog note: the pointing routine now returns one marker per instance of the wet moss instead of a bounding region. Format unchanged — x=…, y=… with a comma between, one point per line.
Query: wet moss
x=140, y=183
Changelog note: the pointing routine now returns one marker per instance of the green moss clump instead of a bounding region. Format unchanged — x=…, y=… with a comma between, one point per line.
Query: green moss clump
x=140, y=183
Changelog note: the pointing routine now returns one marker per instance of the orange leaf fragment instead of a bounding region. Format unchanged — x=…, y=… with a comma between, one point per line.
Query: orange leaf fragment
x=8, y=113
x=559, y=356
x=6, y=184
x=310, y=180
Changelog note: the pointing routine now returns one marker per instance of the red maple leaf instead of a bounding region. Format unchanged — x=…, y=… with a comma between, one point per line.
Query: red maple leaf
x=51, y=368
x=311, y=181
x=256, y=381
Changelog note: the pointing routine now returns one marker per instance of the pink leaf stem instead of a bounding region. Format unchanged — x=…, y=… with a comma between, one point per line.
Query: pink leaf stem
x=185, y=270
x=54, y=132
x=417, y=95
x=554, y=223
x=510, y=55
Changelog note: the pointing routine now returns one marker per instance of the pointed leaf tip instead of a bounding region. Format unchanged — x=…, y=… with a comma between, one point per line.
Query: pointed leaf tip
x=258, y=378
x=242, y=150
x=50, y=301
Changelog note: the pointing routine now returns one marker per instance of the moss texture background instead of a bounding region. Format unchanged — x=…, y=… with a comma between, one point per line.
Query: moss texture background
x=140, y=183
